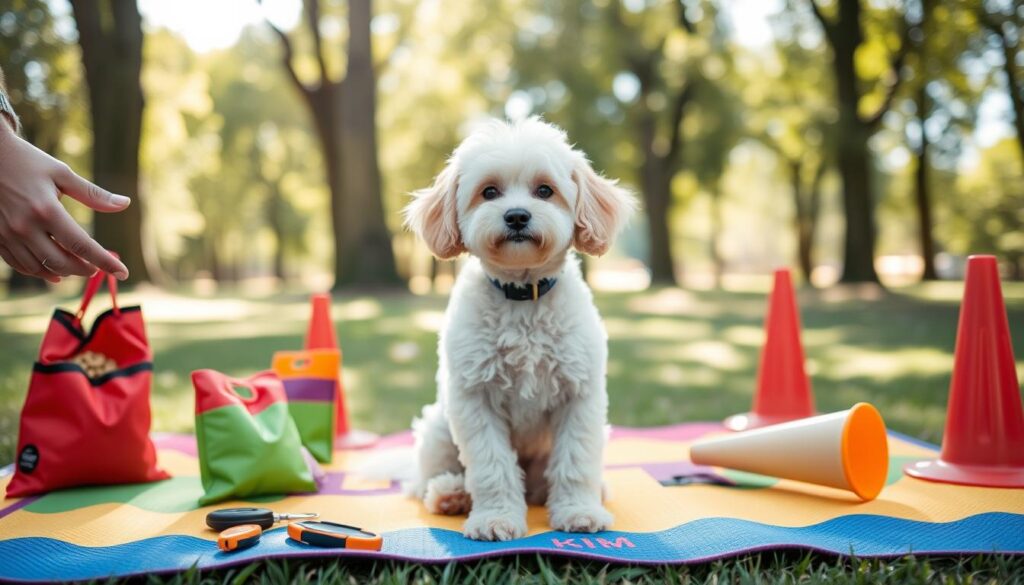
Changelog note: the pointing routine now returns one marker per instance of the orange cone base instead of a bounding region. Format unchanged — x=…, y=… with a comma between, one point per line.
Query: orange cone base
x=751, y=420
x=941, y=471
x=356, y=439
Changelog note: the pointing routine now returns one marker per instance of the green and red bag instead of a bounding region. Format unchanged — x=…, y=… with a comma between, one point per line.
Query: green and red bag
x=248, y=443
x=310, y=379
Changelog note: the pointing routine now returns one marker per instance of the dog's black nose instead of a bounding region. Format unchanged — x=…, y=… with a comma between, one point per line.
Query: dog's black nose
x=517, y=218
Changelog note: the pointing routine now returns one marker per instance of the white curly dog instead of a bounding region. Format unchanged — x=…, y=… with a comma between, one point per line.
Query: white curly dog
x=521, y=411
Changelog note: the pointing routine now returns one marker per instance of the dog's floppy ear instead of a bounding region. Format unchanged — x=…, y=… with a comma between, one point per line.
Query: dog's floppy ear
x=602, y=209
x=432, y=215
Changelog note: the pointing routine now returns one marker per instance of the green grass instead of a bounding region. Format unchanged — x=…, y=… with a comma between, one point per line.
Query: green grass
x=750, y=569
x=676, y=355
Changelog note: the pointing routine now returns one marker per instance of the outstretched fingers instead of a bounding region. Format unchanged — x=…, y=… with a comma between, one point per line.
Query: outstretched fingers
x=87, y=193
x=75, y=240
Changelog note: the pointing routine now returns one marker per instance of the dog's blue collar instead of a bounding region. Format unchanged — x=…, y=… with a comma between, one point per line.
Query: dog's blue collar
x=524, y=292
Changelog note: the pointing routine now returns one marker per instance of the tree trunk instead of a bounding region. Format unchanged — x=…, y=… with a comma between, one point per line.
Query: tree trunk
x=366, y=256
x=922, y=192
x=1013, y=85
x=656, y=184
x=18, y=282
x=853, y=156
x=657, y=191
x=1016, y=270
x=324, y=103
x=807, y=203
x=717, y=264
x=274, y=212
x=344, y=114
x=110, y=35
x=813, y=214
x=214, y=259
x=800, y=217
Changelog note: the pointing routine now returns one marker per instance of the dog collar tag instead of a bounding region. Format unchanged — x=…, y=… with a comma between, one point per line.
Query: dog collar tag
x=525, y=292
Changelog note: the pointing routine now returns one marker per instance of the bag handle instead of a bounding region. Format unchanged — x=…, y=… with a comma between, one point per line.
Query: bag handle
x=92, y=286
x=233, y=383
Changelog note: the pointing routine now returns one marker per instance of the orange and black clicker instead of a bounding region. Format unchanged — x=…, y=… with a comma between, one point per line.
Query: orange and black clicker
x=334, y=535
x=240, y=528
x=239, y=537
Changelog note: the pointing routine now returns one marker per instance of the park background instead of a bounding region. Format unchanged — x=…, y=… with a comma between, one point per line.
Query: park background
x=871, y=145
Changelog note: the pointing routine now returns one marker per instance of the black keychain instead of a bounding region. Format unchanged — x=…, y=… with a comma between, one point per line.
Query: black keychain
x=264, y=518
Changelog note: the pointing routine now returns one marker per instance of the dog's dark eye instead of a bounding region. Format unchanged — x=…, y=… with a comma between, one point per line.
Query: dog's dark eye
x=544, y=192
x=491, y=192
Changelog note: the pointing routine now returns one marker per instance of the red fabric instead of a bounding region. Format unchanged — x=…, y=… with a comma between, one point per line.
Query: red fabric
x=214, y=390
x=80, y=431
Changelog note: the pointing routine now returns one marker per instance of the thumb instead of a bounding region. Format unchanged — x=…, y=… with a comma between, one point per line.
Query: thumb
x=88, y=194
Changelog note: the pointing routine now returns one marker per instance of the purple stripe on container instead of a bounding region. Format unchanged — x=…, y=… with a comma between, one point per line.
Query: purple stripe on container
x=309, y=389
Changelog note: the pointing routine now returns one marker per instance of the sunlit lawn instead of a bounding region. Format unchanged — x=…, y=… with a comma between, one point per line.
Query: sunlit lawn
x=676, y=355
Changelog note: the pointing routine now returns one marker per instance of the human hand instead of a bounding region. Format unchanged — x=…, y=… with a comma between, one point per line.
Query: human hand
x=37, y=235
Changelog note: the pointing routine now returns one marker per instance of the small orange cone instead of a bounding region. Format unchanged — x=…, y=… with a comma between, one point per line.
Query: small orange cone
x=321, y=335
x=984, y=439
x=783, y=388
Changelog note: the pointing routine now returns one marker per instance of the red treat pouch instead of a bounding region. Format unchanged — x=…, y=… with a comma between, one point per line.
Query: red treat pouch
x=86, y=418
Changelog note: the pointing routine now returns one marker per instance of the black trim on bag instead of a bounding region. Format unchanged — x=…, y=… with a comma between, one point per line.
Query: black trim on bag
x=67, y=319
x=71, y=367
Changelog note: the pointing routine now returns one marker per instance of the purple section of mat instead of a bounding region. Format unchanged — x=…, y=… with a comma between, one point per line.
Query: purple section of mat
x=663, y=472
x=402, y=439
x=680, y=432
x=332, y=483
x=185, y=444
x=309, y=389
x=18, y=505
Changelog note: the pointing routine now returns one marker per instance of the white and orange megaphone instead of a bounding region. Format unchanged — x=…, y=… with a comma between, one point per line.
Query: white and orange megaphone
x=848, y=450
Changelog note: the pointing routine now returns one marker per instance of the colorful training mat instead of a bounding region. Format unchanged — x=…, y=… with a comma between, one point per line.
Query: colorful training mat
x=667, y=510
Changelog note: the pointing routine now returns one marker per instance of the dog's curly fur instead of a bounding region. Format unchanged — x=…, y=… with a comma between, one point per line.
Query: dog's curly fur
x=521, y=411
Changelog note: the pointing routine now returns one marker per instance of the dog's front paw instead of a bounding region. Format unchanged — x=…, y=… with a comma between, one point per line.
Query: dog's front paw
x=446, y=494
x=492, y=525
x=580, y=518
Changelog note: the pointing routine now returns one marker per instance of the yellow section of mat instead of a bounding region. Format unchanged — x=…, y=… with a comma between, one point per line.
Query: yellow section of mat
x=638, y=500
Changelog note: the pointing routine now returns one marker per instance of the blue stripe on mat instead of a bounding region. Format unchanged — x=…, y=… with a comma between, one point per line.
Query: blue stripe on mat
x=45, y=559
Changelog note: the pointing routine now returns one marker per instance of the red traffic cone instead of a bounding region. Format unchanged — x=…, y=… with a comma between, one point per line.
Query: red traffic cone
x=783, y=388
x=984, y=439
x=321, y=335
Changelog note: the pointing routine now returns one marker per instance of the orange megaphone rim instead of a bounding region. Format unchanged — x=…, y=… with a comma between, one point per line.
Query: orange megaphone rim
x=864, y=446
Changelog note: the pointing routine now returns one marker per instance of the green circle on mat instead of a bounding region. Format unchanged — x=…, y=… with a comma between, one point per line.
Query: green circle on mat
x=170, y=496
x=746, y=480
